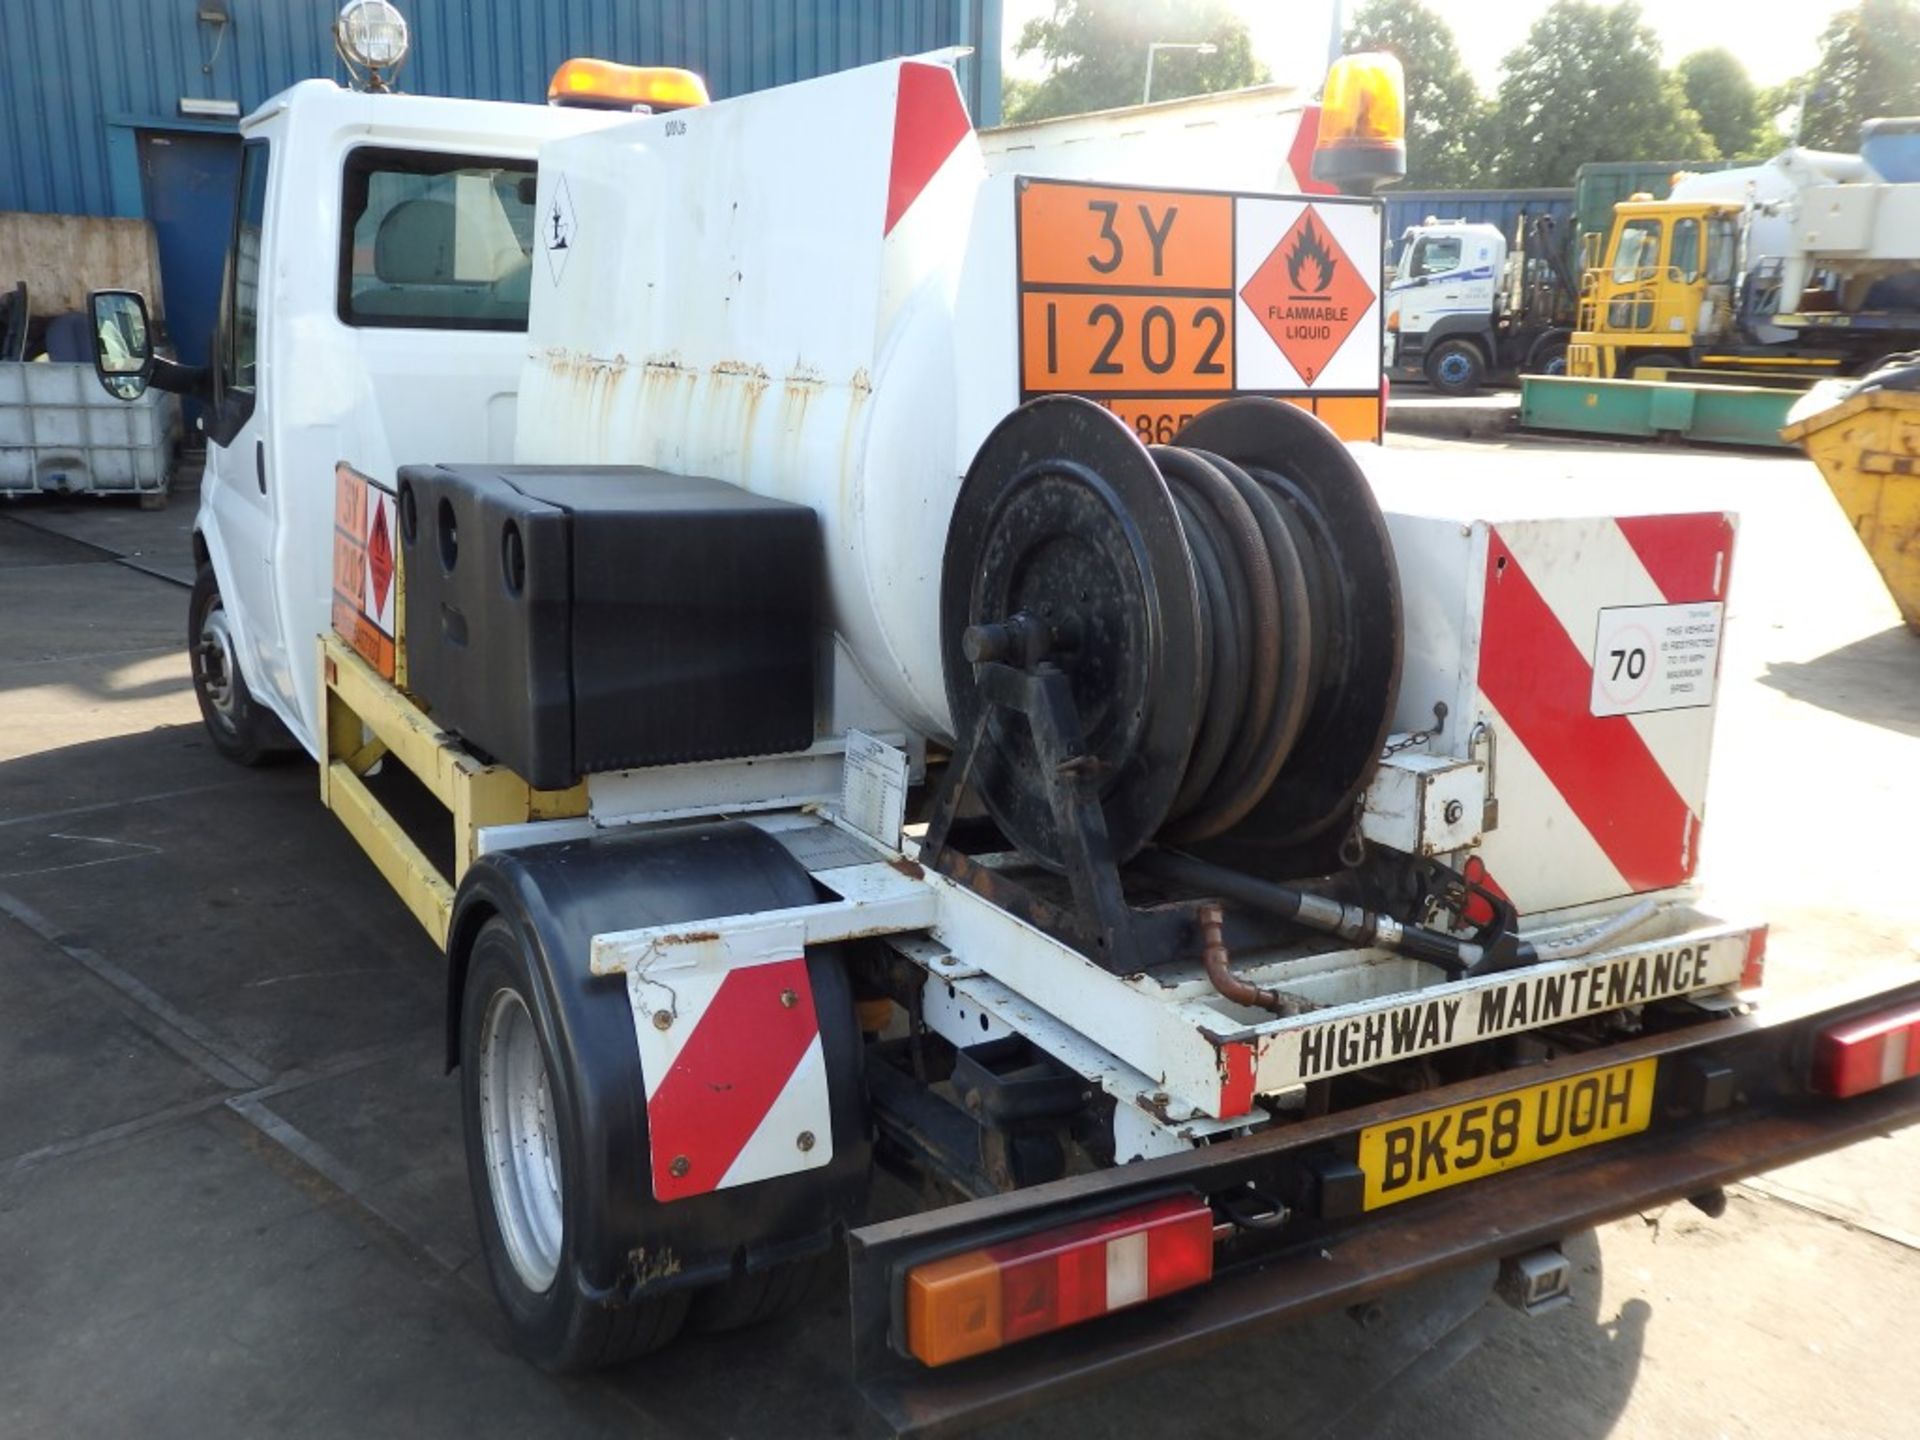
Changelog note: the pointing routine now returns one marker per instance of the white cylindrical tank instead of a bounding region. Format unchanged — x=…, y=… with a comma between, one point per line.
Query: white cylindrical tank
x=764, y=291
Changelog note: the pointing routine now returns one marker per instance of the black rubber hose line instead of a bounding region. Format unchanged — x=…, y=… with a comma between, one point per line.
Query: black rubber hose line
x=1259, y=640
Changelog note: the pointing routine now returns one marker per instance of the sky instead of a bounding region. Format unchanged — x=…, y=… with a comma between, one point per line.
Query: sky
x=1773, y=38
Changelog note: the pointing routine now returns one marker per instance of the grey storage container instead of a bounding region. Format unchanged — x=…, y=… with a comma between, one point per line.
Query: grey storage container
x=61, y=432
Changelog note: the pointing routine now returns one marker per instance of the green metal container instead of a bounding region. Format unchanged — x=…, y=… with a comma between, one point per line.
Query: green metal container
x=1719, y=414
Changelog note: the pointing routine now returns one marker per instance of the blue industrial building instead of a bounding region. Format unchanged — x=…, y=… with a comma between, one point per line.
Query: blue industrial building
x=104, y=104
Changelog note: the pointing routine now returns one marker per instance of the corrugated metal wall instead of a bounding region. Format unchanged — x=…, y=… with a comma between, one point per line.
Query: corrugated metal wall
x=1491, y=207
x=78, y=78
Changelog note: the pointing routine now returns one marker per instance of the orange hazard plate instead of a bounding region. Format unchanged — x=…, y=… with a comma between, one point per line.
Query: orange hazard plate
x=1159, y=303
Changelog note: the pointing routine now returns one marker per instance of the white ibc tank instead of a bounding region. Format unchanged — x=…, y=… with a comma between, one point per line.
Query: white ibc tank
x=764, y=291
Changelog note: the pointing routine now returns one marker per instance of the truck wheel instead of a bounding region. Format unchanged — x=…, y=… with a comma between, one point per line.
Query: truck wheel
x=1550, y=359
x=240, y=728
x=522, y=1135
x=1454, y=367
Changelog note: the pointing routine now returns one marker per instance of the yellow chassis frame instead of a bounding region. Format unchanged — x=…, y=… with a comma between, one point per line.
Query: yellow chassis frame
x=367, y=720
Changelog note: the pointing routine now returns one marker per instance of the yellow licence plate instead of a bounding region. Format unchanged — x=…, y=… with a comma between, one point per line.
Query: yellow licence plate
x=1502, y=1132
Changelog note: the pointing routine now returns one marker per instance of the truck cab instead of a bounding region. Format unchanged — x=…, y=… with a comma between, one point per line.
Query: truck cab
x=1466, y=305
x=1664, y=288
x=378, y=311
x=1445, y=286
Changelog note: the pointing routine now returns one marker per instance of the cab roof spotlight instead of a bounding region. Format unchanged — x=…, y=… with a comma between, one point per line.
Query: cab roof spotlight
x=370, y=37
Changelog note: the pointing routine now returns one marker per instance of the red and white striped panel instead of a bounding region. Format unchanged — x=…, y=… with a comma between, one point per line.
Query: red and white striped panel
x=1593, y=805
x=933, y=179
x=735, y=1076
x=1300, y=156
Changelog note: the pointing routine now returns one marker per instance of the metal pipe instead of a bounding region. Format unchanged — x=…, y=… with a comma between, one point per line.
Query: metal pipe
x=1213, y=955
x=1585, y=942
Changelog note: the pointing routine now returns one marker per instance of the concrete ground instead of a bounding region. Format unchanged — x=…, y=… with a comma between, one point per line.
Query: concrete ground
x=232, y=1199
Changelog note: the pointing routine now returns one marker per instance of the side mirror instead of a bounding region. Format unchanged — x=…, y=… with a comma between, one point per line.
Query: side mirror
x=122, y=342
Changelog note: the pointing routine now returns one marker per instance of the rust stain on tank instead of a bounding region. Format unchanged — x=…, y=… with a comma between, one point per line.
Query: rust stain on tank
x=736, y=388
x=668, y=371
x=588, y=384
x=846, y=486
x=667, y=386
x=802, y=384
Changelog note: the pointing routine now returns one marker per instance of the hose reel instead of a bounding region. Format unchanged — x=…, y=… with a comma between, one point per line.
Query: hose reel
x=1225, y=611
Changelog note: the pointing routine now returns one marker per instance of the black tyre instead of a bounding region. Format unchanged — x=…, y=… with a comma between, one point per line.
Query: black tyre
x=242, y=729
x=1456, y=367
x=1549, y=359
x=523, y=1140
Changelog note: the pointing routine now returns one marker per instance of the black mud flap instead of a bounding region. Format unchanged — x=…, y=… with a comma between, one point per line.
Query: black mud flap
x=558, y=897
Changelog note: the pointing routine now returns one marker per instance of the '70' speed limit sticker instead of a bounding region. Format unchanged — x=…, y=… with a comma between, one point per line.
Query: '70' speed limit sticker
x=1655, y=657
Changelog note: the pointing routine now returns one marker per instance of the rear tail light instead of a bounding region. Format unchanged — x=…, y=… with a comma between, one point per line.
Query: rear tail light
x=1755, y=970
x=984, y=1299
x=1869, y=1051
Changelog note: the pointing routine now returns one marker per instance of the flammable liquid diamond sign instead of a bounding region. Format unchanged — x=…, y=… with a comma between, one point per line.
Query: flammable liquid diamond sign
x=1308, y=295
x=1308, y=305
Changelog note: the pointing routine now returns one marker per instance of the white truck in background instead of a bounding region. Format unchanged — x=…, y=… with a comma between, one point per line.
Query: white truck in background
x=1235, y=885
x=1465, y=306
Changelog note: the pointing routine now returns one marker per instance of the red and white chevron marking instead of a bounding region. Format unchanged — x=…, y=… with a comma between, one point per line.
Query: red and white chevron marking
x=1592, y=805
x=736, y=1080
x=933, y=178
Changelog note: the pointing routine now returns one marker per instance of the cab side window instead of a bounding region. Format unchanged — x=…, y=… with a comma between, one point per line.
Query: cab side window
x=1437, y=255
x=1723, y=243
x=440, y=242
x=237, y=356
x=1637, y=252
x=1684, y=258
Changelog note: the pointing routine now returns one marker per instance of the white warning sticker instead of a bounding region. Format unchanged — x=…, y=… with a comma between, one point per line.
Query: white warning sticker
x=1655, y=657
x=873, y=794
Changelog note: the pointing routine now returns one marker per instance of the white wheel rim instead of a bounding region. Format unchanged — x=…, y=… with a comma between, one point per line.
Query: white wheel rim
x=521, y=1140
x=216, y=665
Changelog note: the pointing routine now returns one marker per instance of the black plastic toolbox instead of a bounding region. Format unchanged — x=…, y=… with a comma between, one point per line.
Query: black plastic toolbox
x=565, y=620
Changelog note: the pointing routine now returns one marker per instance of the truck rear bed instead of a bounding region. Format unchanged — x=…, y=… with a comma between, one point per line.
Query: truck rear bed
x=1732, y=1099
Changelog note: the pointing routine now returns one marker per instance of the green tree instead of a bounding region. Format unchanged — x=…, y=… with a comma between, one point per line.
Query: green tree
x=1096, y=55
x=1720, y=92
x=1445, y=114
x=1588, y=85
x=1869, y=65
x=1777, y=107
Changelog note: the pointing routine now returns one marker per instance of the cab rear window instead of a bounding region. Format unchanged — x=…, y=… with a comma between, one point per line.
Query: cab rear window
x=439, y=242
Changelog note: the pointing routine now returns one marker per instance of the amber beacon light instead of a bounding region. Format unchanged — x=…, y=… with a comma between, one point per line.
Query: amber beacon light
x=603, y=85
x=1363, y=124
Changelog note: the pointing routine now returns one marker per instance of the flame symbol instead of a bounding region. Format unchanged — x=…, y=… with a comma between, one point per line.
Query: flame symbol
x=1307, y=247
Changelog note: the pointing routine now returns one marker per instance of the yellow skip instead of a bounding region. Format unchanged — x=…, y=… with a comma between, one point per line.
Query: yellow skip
x=1868, y=449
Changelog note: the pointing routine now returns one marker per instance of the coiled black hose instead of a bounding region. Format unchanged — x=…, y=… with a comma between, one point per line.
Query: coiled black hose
x=1263, y=634
x=1225, y=611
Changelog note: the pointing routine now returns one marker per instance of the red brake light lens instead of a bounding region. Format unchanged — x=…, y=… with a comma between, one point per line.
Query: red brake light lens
x=1754, y=972
x=983, y=1299
x=1867, y=1052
